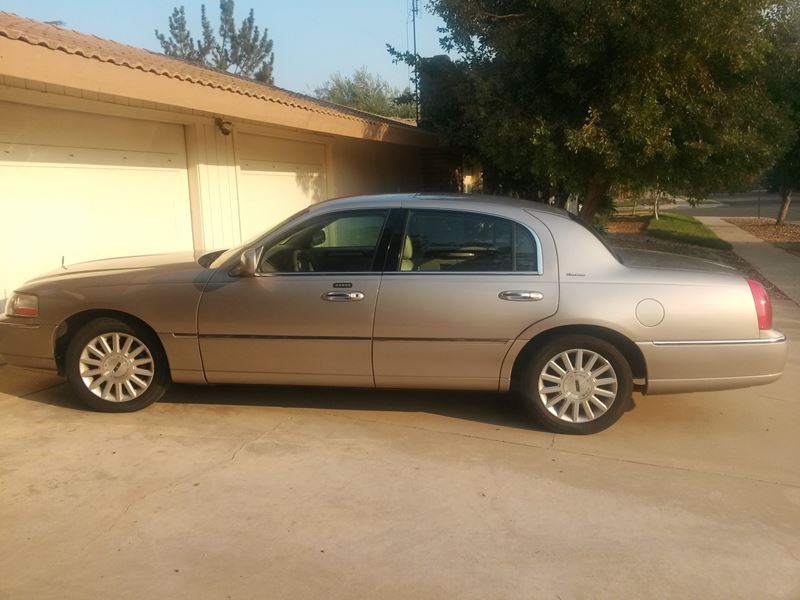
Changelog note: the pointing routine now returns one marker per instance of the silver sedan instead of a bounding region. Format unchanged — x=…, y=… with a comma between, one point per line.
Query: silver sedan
x=404, y=291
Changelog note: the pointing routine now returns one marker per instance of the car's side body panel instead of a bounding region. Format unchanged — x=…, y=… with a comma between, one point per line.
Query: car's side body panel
x=444, y=329
x=714, y=365
x=279, y=329
x=695, y=330
x=27, y=345
x=666, y=312
x=454, y=327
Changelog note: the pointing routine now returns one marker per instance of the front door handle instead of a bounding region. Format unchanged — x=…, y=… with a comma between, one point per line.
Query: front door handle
x=343, y=296
x=521, y=296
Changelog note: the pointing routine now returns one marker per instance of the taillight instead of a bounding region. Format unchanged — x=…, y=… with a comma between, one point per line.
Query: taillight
x=763, y=304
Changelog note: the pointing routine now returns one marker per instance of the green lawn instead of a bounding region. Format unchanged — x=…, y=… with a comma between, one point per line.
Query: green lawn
x=683, y=228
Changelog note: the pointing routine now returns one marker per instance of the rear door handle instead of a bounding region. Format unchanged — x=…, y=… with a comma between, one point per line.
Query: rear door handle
x=521, y=296
x=343, y=296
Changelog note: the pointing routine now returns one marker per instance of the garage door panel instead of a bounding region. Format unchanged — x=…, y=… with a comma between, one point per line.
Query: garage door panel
x=259, y=147
x=276, y=178
x=82, y=196
x=35, y=155
x=268, y=197
x=53, y=127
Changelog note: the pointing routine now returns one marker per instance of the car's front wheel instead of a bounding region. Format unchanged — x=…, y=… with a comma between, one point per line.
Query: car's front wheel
x=576, y=384
x=114, y=366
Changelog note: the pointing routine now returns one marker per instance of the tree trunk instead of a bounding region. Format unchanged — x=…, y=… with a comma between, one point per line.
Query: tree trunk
x=786, y=200
x=635, y=201
x=656, y=199
x=592, y=200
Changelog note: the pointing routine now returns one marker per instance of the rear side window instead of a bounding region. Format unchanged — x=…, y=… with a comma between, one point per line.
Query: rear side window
x=466, y=242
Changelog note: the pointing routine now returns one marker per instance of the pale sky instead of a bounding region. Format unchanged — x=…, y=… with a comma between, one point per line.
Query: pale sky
x=312, y=38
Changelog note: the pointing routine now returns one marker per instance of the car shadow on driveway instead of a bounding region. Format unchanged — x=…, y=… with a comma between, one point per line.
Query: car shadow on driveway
x=489, y=408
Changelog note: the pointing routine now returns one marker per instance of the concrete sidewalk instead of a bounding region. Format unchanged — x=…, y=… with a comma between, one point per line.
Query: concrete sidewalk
x=779, y=266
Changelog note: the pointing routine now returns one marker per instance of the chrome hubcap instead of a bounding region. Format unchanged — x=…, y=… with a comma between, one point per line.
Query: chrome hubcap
x=577, y=385
x=117, y=367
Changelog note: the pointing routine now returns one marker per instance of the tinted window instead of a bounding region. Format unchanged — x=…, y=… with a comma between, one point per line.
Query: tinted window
x=524, y=249
x=465, y=242
x=342, y=242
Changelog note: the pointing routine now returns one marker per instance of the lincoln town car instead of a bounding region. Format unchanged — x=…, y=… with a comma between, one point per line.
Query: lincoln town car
x=404, y=291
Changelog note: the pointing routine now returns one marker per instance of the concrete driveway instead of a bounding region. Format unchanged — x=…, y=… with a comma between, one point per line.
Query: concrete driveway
x=305, y=493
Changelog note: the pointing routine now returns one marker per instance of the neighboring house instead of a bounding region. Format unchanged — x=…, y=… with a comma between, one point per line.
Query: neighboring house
x=110, y=150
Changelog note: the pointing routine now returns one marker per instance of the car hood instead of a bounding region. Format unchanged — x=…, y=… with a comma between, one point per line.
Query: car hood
x=652, y=259
x=162, y=268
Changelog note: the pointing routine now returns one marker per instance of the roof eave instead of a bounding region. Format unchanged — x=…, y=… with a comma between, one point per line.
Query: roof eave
x=38, y=63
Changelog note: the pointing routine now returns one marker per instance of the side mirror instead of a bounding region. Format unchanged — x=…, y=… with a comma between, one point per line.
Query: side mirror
x=318, y=238
x=248, y=263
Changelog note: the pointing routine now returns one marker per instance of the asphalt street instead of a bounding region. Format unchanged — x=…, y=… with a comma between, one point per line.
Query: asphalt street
x=742, y=205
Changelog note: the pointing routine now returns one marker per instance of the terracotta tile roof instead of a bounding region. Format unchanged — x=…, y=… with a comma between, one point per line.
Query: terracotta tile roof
x=95, y=48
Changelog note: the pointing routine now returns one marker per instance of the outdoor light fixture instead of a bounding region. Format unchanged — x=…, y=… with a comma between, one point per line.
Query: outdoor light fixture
x=225, y=127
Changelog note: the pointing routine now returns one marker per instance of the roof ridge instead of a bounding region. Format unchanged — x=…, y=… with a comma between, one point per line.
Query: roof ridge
x=24, y=29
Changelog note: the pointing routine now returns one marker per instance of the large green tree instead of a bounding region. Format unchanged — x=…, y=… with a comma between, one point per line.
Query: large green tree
x=246, y=51
x=785, y=90
x=368, y=92
x=582, y=95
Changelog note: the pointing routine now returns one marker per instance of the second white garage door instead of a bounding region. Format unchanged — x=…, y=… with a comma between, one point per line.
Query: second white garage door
x=84, y=186
x=276, y=178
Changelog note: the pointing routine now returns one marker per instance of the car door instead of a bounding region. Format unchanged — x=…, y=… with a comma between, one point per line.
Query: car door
x=466, y=285
x=306, y=316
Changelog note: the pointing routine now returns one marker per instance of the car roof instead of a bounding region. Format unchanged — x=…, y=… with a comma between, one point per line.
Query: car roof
x=396, y=200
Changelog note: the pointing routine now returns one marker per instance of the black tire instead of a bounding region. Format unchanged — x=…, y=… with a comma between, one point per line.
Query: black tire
x=532, y=369
x=158, y=385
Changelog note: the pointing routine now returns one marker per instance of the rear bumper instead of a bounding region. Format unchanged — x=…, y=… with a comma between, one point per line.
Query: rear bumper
x=694, y=366
x=27, y=345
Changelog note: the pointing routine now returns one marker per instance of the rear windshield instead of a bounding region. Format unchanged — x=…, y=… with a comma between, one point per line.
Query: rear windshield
x=598, y=235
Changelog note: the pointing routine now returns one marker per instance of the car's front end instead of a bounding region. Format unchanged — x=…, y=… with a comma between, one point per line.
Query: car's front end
x=26, y=341
x=160, y=290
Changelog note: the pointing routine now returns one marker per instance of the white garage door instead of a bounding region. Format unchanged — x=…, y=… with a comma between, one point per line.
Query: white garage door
x=276, y=178
x=83, y=186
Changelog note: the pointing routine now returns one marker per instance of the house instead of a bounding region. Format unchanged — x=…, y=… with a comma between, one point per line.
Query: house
x=110, y=150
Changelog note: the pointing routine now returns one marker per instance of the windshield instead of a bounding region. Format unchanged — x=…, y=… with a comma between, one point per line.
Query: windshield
x=228, y=254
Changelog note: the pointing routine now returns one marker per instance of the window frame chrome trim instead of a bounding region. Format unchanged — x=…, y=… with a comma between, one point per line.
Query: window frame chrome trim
x=339, y=274
x=539, y=271
x=261, y=245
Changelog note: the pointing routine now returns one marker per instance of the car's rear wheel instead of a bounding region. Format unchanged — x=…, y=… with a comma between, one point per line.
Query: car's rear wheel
x=576, y=384
x=114, y=366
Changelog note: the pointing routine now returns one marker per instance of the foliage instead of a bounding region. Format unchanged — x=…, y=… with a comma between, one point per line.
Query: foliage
x=246, y=51
x=685, y=229
x=367, y=92
x=784, y=87
x=579, y=96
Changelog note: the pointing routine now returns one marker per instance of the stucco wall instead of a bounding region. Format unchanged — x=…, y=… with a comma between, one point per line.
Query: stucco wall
x=367, y=167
